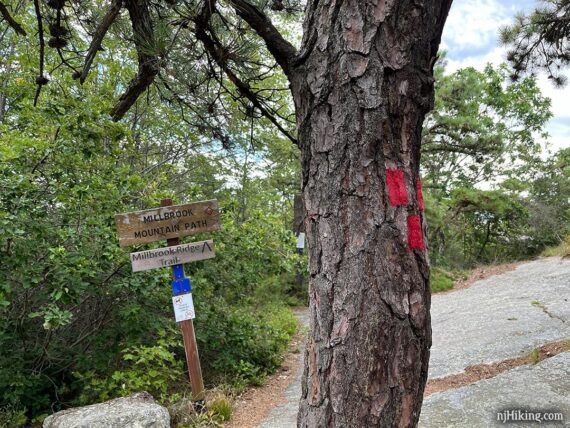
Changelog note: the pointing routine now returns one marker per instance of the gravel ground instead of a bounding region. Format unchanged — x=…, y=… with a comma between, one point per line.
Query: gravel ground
x=500, y=317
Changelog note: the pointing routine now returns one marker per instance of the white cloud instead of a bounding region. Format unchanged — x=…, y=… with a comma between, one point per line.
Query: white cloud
x=560, y=97
x=559, y=137
x=495, y=56
x=474, y=24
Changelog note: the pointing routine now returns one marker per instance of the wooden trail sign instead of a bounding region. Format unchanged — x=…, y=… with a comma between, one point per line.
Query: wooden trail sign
x=186, y=325
x=167, y=222
x=175, y=255
x=172, y=222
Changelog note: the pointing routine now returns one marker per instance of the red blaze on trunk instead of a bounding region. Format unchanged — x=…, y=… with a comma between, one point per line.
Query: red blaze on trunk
x=397, y=192
x=415, y=233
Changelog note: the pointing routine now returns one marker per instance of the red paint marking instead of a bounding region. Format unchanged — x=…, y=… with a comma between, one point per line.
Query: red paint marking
x=397, y=192
x=420, y=195
x=415, y=233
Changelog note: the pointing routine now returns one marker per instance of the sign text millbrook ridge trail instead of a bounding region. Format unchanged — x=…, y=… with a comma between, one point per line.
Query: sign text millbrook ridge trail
x=179, y=254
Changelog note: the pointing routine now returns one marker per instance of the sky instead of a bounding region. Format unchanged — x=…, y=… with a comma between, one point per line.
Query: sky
x=471, y=39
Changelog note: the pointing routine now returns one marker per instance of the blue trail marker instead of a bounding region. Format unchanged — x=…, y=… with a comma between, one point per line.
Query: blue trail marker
x=178, y=271
x=181, y=286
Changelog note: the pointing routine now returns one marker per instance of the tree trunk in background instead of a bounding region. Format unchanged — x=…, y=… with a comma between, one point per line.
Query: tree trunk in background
x=298, y=228
x=2, y=106
x=362, y=88
x=7, y=70
x=298, y=215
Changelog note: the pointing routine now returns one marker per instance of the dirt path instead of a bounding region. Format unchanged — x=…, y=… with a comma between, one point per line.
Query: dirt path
x=502, y=318
x=277, y=399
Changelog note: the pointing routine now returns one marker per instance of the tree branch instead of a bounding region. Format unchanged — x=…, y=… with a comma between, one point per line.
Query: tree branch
x=100, y=33
x=11, y=21
x=219, y=54
x=149, y=64
x=283, y=51
x=40, y=80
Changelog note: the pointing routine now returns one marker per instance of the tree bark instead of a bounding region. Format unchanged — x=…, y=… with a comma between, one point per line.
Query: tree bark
x=362, y=85
x=298, y=215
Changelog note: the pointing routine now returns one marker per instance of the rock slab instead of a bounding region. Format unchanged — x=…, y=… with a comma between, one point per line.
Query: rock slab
x=504, y=316
x=135, y=411
x=543, y=387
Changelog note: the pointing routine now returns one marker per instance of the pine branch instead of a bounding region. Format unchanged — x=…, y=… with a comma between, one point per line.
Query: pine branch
x=283, y=51
x=99, y=35
x=149, y=64
x=219, y=54
x=11, y=21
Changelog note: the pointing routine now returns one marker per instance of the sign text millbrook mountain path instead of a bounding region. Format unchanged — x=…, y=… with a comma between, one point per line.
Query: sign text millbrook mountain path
x=167, y=222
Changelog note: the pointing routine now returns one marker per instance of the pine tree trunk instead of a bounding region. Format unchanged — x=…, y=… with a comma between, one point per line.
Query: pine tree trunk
x=363, y=87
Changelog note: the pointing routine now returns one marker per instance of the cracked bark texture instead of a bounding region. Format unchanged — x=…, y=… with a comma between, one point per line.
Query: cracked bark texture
x=362, y=85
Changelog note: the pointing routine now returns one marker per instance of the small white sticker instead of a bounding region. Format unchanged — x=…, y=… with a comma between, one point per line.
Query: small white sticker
x=301, y=240
x=183, y=307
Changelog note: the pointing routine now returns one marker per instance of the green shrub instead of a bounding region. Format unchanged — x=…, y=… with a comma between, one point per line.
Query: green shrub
x=535, y=356
x=218, y=410
x=440, y=280
x=143, y=368
x=220, y=406
x=561, y=250
x=12, y=417
x=76, y=324
x=241, y=346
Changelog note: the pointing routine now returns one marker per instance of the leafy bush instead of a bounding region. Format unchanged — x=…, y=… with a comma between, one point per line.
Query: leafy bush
x=562, y=250
x=143, y=368
x=242, y=346
x=218, y=409
x=76, y=325
x=12, y=417
x=220, y=406
x=440, y=280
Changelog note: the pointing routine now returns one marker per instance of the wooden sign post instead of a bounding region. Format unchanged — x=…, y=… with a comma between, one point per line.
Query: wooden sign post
x=187, y=328
x=172, y=222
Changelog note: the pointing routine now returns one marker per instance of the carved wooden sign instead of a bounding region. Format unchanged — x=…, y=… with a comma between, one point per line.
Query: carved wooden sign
x=178, y=254
x=168, y=222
